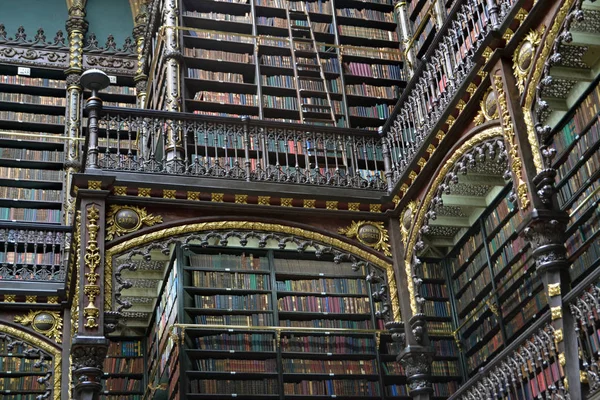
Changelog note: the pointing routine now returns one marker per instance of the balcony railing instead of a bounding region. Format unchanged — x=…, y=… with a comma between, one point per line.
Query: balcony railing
x=239, y=149
x=30, y=252
x=447, y=68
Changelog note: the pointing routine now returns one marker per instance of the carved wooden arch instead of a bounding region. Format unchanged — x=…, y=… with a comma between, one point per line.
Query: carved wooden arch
x=52, y=380
x=546, y=56
x=484, y=141
x=283, y=232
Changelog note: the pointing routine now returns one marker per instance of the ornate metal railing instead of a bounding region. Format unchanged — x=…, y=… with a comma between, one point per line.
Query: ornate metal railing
x=33, y=252
x=241, y=149
x=446, y=68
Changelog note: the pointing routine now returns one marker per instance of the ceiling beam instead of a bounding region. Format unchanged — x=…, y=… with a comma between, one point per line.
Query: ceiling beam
x=441, y=241
x=556, y=104
x=572, y=74
x=460, y=222
x=435, y=251
x=469, y=201
x=482, y=179
x=585, y=39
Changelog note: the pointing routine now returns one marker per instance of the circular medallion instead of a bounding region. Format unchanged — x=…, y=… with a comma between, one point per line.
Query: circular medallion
x=490, y=105
x=127, y=219
x=369, y=234
x=43, y=322
x=525, y=56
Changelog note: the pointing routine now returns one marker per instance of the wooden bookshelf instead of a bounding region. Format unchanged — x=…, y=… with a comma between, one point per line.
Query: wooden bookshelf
x=124, y=370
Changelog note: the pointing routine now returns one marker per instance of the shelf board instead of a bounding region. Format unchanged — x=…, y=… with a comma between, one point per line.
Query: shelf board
x=304, y=275
x=122, y=375
x=203, y=396
x=31, y=89
x=294, y=377
x=18, y=143
x=32, y=108
x=31, y=184
x=231, y=270
x=501, y=223
x=327, y=355
x=369, y=42
x=210, y=290
x=283, y=293
x=237, y=354
x=327, y=315
x=595, y=176
x=356, y=99
x=224, y=311
x=219, y=24
x=417, y=9
x=25, y=163
x=197, y=85
x=236, y=47
x=55, y=205
x=8, y=374
x=364, y=4
x=278, y=91
x=198, y=105
x=358, y=79
x=519, y=306
x=22, y=391
x=32, y=126
x=218, y=64
x=230, y=375
x=366, y=22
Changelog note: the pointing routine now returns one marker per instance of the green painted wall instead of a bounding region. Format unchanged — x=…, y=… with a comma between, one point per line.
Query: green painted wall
x=108, y=17
x=50, y=15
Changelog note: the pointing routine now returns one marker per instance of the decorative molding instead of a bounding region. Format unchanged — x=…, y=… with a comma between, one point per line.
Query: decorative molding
x=169, y=194
x=554, y=289
x=264, y=200
x=353, y=206
x=286, y=202
x=556, y=312
x=523, y=56
x=195, y=196
x=48, y=323
x=241, y=199
x=217, y=197
x=331, y=205
x=144, y=192
x=120, y=190
x=121, y=220
x=95, y=185
x=309, y=203
x=406, y=220
x=372, y=234
x=92, y=262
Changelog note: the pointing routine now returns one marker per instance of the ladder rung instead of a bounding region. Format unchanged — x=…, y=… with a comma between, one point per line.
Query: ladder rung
x=323, y=120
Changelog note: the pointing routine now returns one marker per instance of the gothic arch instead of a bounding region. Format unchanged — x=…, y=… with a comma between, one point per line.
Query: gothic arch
x=484, y=142
x=41, y=348
x=281, y=234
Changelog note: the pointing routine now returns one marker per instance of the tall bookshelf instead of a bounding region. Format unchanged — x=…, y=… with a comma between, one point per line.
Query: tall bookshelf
x=576, y=142
x=243, y=58
x=491, y=289
x=124, y=370
x=267, y=323
x=32, y=112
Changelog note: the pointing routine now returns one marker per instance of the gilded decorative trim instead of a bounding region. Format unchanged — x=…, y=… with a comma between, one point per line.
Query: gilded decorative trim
x=331, y=205
x=54, y=332
x=264, y=200
x=193, y=196
x=120, y=190
x=286, y=202
x=95, y=185
x=52, y=300
x=144, y=192
x=217, y=197
x=54, y=352
x=248, y=225
x=558, y=336
x=508, y=35
x=554, y=289
x=522, y=66
x=375, y=208
x=510, y=139
x=241, y=199
x=406, y=220
x=562, y=359
x=380, y=242
x=92, y=262
x=114, y=229
x=353, y=206
x=468, y=145
x=10, y=298
x=309, y=203
x=536, y=75
x=30, y=299
x=169, y=194
x=556, y=312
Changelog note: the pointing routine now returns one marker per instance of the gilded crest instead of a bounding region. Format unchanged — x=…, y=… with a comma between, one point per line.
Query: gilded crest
x=127, y=219
x=48, y=323
x=372, y=234
x=523, y=57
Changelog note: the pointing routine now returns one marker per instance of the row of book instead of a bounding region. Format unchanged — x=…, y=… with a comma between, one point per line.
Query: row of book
x=246, y=262
x=445, y=368
x=235, y=365
x=432, y=271
x=47, y=258
x=367, y=33
x=166, y=316
x=123, y=384
x=348, y=305
x=434, y=290
x=473, y=288
x=126, y=348
x=589, y=197
x=498, y=214
x=32, y=155
x=439, y=328
x=229, y=77
x=473, y=269
x=366, y=13
x=392, y=368
x=218, y=55
x=325, y=285
x=124, y=365
x=338, y=344
x=527, y=289
x=329, y=323
x=508, y=253
x=19, y=364
x=318, y=268
x=445, y=348
x=253, y=302
x=20, y=383
x=579, y=180
x=49, y=138
x=231, y=280
x=486, y=325
x=379, y=111
x=426, y=33
x=524, y=315
x=234, y=386
x=33, y=99
x=27, y=81
x=284, y=81
x=281, y=102
x=382, y=71
x=31, y=174
x=506, y=232
x=488, y=349
x=337, y=367
x=386, y=92
x=30, y=215
x=28, y=117
x=236, y=342
x=581, y=149
x=30, y=194
x=587, y=259
x=521, y=267
x=472, y=245
x=221, y=36
x=216, y=16
x=437, y=308
x=333, y=387
x=264, y=319
x=227, y=98
x=318, y=6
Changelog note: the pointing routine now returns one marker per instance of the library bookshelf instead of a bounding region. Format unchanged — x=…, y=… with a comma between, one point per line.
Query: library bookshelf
x=320, y=62
x=272, y=324
x=124, y=370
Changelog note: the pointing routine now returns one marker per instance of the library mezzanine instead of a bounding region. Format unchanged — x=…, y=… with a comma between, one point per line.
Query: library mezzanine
x=299, y=199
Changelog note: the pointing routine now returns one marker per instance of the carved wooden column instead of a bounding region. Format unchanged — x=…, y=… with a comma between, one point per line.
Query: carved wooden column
x=76, y=28
x=545, y=224
x=140, y=79
x=417, y=356
x=402, y=19
x=172, y=58
x=89, y=345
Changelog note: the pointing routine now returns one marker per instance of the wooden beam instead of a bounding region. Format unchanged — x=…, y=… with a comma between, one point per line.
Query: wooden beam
x=585, y=39
x=482, y=179
x=469, y=201
x=572, y=74
x=460, y=222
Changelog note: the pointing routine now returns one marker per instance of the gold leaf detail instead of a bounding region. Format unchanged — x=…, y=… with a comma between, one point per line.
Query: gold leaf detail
x=286, y=202
x=144, y=192
x=331, y=205
x=120, y=190
x=10, y=298
x=309, y=203
x=264, y=200
x=94, y=185
x=382, y=243
x=375, y=208
x=554, y=289
x=54, y=332
x=241, y=199
x=169, y=194
x=353, y=206
x=193, y=195
x=217, y=197
x=114, y=229
x=52, y=300
x=30, y=299
x=556, y=312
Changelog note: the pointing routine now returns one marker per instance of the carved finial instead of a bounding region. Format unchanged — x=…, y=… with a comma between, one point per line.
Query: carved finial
x=110, y=43
x=59, y=39
x=39, y=37
x=92, y=42
x=128, y=46
x=21, y=36
x=2, y=32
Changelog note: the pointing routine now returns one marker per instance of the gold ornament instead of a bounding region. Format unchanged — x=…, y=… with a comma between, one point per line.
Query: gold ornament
x=523, y=57
x=48, y=323
x=126, y=219
x=372, y=234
